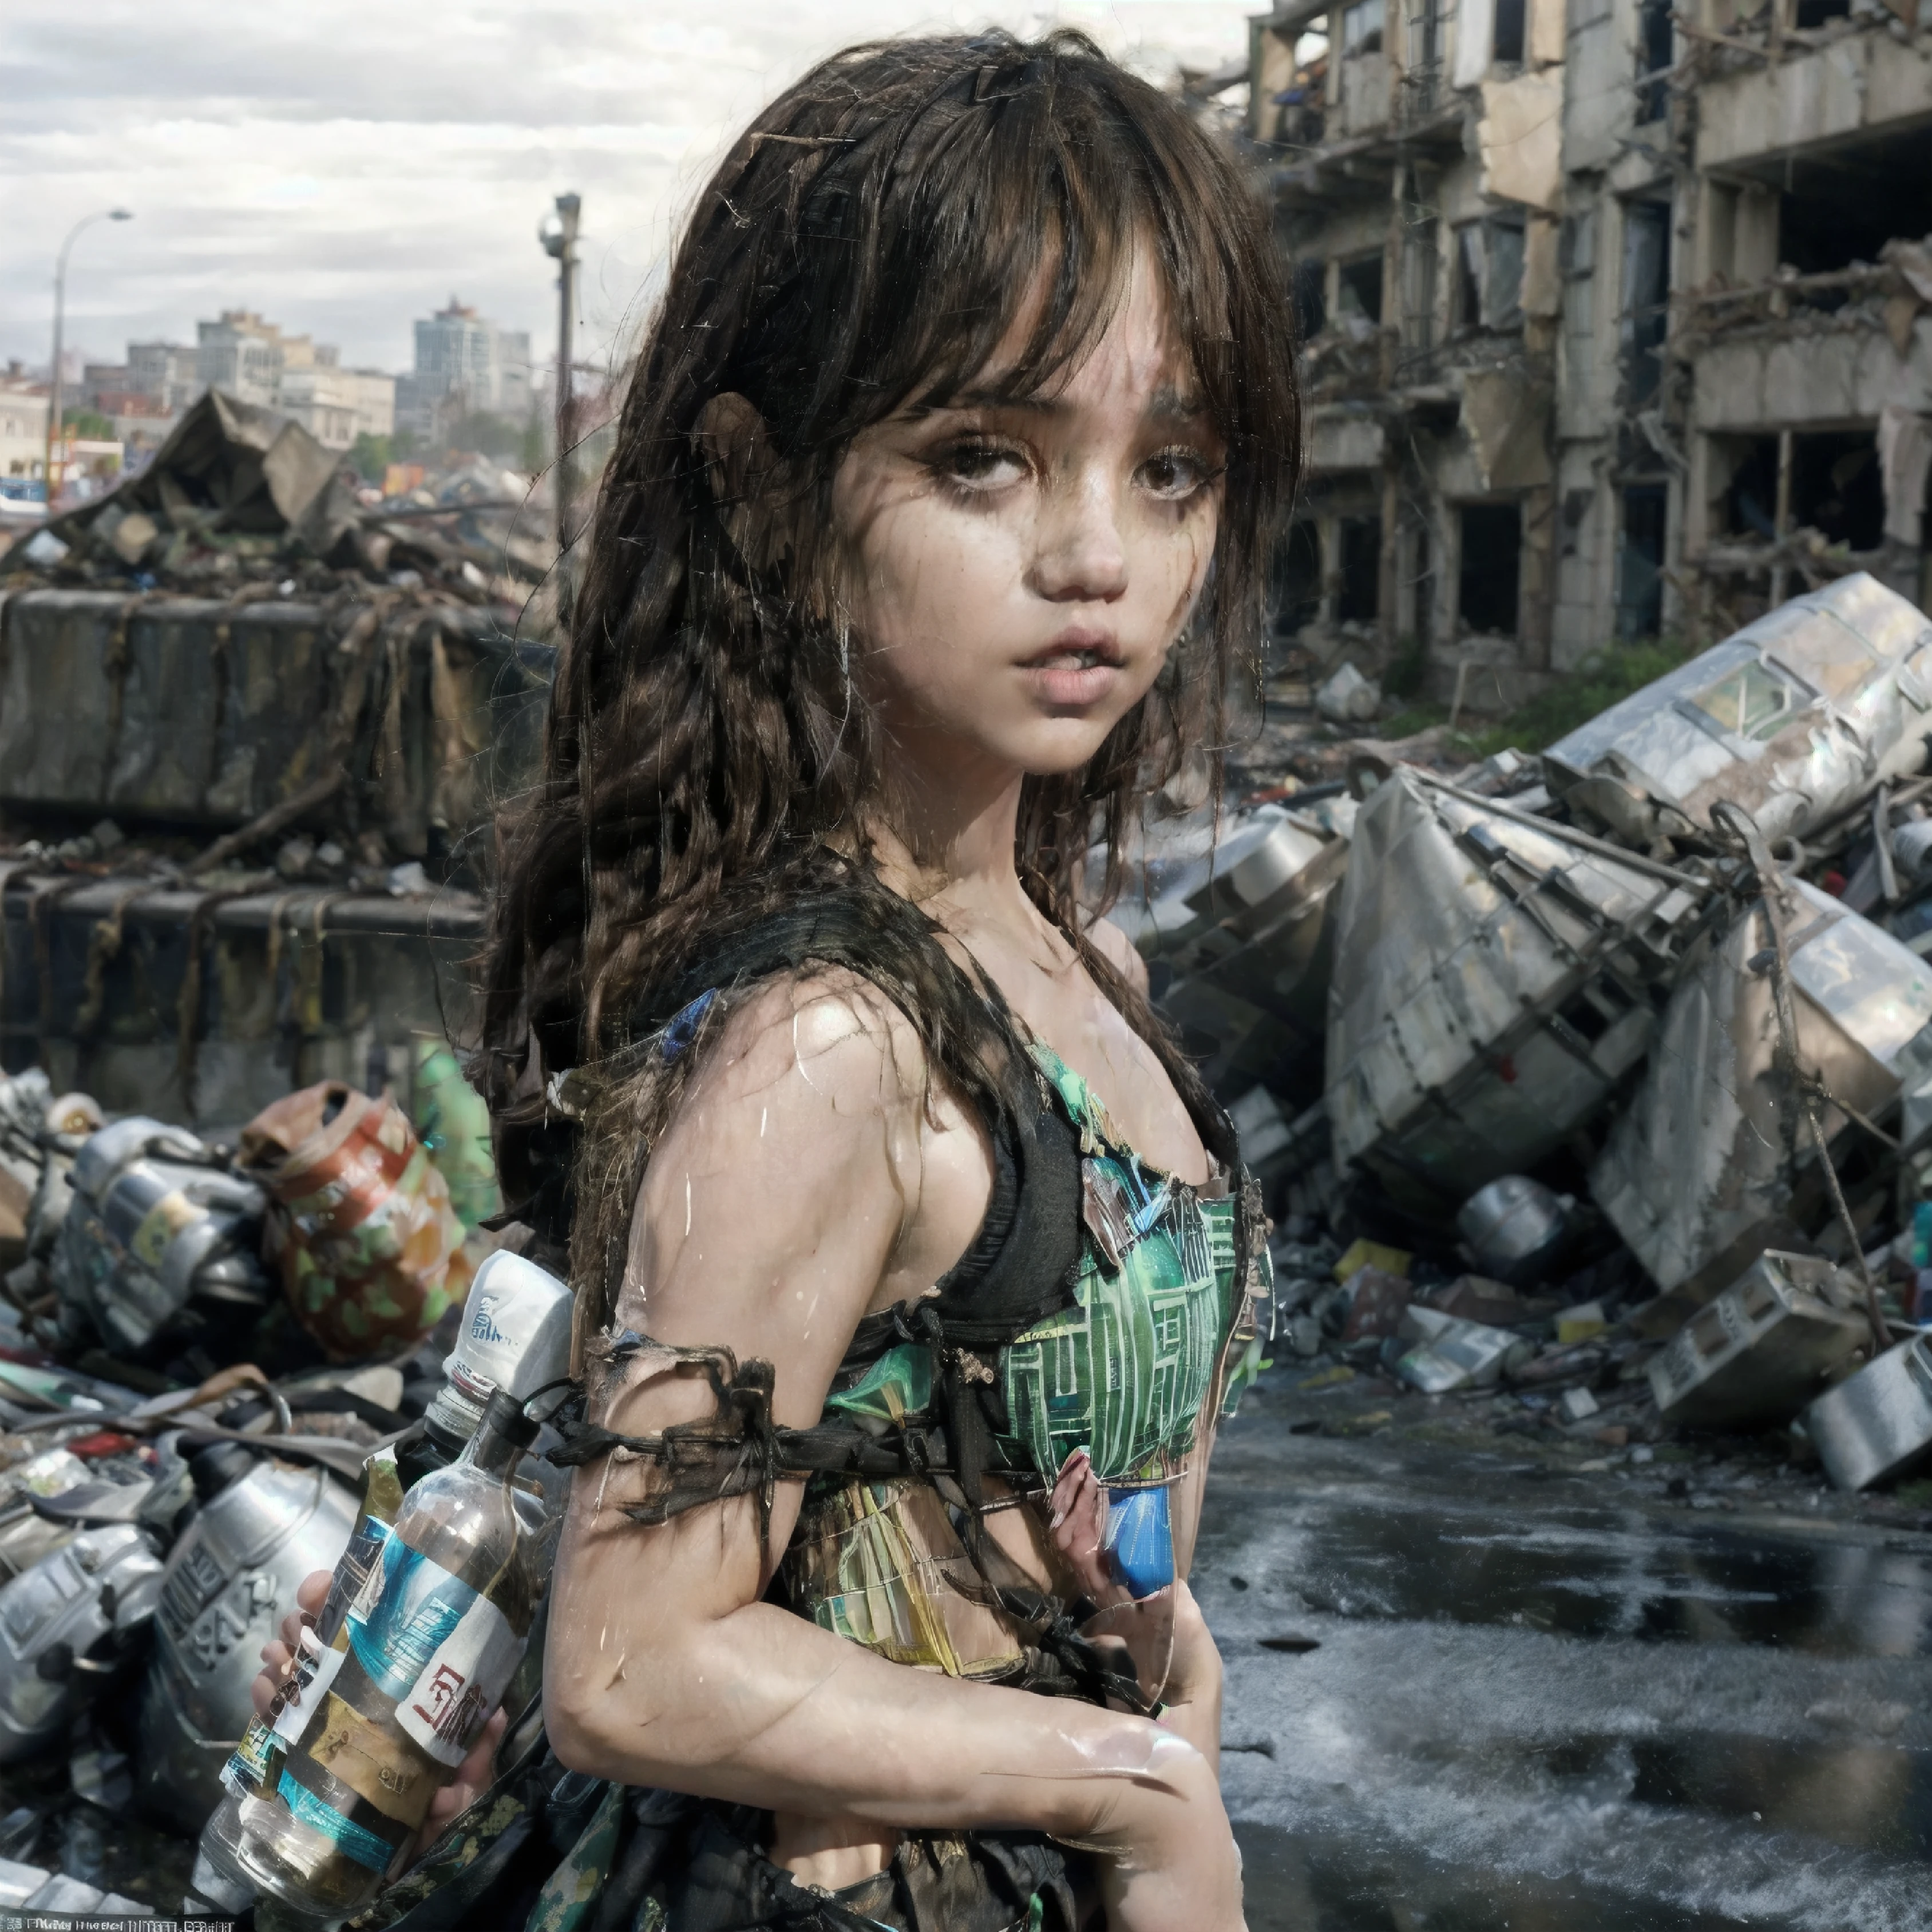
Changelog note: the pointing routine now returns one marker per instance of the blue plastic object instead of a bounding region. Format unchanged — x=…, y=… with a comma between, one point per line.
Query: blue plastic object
x=1140, y=1539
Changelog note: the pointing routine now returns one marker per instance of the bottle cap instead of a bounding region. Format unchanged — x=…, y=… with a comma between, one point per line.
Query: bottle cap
x=504, y=1417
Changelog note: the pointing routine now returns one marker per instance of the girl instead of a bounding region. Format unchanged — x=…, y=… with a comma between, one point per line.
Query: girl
x=913, y=1262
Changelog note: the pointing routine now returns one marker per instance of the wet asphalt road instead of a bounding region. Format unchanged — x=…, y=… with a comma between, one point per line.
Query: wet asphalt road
x=1466, y=1691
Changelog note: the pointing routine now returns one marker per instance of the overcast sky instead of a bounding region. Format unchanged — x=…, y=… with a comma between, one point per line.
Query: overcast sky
x=345, y=165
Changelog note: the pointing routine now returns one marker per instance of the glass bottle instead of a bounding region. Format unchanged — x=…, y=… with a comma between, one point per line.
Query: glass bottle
x=256, y=1764
x=431, y=1635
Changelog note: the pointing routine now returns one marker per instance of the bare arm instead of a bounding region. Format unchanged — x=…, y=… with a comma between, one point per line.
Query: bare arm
x=802, y=1184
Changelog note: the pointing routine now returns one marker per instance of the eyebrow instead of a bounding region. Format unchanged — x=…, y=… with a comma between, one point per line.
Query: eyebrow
x=1168, y=403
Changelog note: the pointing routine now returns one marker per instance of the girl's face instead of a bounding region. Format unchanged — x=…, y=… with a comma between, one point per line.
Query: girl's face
x=1018, y=571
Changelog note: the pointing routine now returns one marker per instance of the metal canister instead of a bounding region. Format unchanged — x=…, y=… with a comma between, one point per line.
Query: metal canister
x=1514, y=1228
x=262, y=1527
x=65, y=1624
x=1877, y=1423
x=156, y=1218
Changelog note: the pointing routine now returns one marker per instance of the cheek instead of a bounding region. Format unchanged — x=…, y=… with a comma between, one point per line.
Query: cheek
x=932, y=581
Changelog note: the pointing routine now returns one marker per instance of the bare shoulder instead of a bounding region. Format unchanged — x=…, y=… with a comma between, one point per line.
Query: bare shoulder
x=807, y=1174
x=831, y=1031
x=1120, y=952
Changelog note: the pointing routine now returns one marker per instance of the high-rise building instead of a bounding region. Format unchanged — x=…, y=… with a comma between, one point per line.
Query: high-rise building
x=464, y=365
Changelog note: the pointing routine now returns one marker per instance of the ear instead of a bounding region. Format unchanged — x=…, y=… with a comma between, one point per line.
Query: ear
x=731, y=435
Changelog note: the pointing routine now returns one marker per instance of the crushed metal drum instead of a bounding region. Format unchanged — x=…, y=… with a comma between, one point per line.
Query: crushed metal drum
x=1876, y=1424
x=1709, y=1165
x=1239, y=946
x=158, y=1218
x=262, y=1527
x=1495, y=979
x=1760, y=1351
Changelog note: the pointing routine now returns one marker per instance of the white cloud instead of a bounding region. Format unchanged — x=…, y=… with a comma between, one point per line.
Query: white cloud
x=344, y=167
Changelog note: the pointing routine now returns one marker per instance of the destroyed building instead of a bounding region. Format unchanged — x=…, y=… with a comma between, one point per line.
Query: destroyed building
x=1617, y=319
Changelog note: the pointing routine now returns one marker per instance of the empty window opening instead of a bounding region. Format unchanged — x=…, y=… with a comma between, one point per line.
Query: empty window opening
x=1511, y=18
x=1646, y=299
x=1654, y=52
x=1640, y=562
x=1297, y=579
x=1311, y=310
x=1489, y=273
x=1488, y=587
x=1358, y=599
x=1816, y=13
x=1837, y=489
x=1362, y=27
x=1843, y=208
x=1750, y=498
x=1359, y=287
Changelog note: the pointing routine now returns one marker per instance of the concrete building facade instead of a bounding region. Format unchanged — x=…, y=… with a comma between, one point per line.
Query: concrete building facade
x=24, y=405
x=1615, y=319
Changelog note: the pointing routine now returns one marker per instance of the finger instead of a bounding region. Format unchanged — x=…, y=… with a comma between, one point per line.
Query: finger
x=275, y=1654
x=312, y=1592
x=473, y=1775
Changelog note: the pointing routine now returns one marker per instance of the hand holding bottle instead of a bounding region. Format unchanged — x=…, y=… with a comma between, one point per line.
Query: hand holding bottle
x=473, y=1776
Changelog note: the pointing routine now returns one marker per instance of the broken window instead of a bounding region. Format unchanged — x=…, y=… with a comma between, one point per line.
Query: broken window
x=1311, y=311
x=1359, y=286
x=1654, y=51
x=1359, y=598
x=1843, y=208
x=1512, y=17
x=1753, y=701
x=1640, y=561
x=1837, y=489
x=1362, y=25
x=1646, y=299
x=1750, y=498
x=1424, y=51
x=1490, y=582
x=1489, y=273
x=1297, y=578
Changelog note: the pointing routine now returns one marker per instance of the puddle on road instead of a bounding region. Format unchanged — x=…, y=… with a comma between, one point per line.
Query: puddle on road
x=1769, y=1763
x=1613, y=1574
x=1292, y=1883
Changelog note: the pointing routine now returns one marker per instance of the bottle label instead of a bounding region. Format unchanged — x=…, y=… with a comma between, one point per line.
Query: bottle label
x=248, y=1766
x=318, y=1673
x=442, y=1651
x=355, y=1841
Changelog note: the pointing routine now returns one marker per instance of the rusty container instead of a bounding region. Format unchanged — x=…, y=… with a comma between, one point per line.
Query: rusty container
x=359, y=1222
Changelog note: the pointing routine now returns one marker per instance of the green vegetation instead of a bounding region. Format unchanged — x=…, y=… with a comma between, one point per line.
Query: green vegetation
x=88, y=425
x=1603, y=678
x=370, y=456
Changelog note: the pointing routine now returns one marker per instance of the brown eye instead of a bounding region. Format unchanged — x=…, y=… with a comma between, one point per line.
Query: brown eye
x=982, y=466
x=1174, y=474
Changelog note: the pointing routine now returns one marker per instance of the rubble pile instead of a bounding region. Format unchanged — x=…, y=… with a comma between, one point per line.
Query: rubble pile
x=1593, y=1092
x=185, y=1418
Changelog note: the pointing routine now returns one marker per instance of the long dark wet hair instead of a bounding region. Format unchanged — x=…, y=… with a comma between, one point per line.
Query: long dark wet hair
x=872, y=238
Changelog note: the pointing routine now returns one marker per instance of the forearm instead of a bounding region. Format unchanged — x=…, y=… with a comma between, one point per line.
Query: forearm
x=759, y=1707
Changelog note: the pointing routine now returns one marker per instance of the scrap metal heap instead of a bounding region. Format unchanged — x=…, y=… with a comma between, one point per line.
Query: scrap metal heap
x=1623, y=1116
x=1592, y=1094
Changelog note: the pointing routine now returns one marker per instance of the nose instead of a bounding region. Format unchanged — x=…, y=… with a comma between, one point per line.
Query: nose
x=1080, y=558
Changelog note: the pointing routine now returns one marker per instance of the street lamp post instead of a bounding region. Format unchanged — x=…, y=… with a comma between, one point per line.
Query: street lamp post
x=559, y=237
x=52, y=482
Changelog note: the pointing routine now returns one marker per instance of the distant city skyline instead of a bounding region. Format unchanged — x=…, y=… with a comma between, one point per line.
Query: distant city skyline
x=345, y=168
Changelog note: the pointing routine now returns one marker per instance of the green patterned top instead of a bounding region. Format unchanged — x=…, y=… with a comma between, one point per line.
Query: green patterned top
x=1125, y=1372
